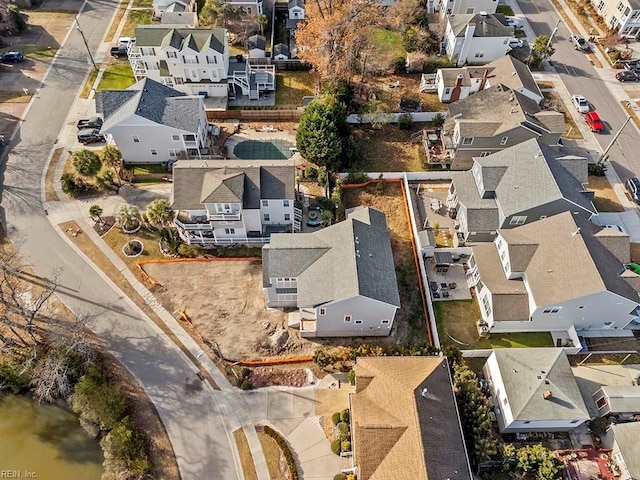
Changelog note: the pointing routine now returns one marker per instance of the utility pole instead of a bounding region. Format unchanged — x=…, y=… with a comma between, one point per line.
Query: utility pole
x=603, y=157
x=86, y=44
x=553, y=32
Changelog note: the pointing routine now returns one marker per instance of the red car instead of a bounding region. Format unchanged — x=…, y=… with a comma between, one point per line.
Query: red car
x=594, y=122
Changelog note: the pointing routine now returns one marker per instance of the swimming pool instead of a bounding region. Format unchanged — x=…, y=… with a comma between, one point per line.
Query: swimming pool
x=269, y=149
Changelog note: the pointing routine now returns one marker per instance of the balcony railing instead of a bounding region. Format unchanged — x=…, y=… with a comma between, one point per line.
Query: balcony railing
x=225, y=216
x=193, y=226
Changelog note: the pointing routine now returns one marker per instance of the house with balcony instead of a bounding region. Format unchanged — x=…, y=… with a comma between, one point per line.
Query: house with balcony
x=341, y=278
x=175, y=6
x=231, y=202
x=453, y=84
x=534, y=390
x=516, y=186
x=620, y=15
x=476, y=39
x=559, y=274
x=455, y=7
x=152, y=123
x=404, y=421
x=487, y=122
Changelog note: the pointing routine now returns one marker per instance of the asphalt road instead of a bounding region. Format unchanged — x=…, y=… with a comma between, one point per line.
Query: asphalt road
x=190, y=416
x=580, y=76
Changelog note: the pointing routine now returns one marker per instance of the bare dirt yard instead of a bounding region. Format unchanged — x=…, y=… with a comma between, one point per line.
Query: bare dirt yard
x=227, y=307
x=605, y=199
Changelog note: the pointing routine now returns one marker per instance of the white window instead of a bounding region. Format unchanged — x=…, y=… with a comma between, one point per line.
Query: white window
x=467, y=140
x=267, y=218
x=347, y=319
x=620, y=6
x=600, y=5
x=154, y=152
x=485, y=154
x=504, y=140
x=470, y=10
x=265, y=203
x=178, y=80
x=542, y=217
x=619, y=458
x=287, y=217
x=499, y=243
x=517, y=220
x=502, y=255
x=323, y=311
x=447, y=91
x=135, y=138
x=172, y=54
x=212, y=60
x=384, y=322
x=486, y=305
x=175, y=138
x=613, y=22
x=287, y=297
x=358, y=322
x=285, y=203
x=230, y=231
x=552, y=310
x=148, y=51
x=506, y=267
x=479, y=55
x=173, y=152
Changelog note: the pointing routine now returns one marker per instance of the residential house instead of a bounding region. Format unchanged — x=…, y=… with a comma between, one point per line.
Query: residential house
x=161, y=6
x=405, y=422
x=191, y=60
x=476, y=39
x=620, y=15
x=489, y=121
x=519, y=185
x=281, y=52
x=558, y=274
x=623, y=440
x=534, y=390
x=152, y=123
x=624, y=402
x=455, y=7
x=454, y=84
x=179, y=19
x=248, y=7
x=296, y=9
x=222, y=203
x=256, y=46
x=341, y=278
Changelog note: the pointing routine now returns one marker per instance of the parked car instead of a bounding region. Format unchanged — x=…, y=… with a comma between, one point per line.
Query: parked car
x=627, y=76
x=581, y=103
x=516, y=43
x=617, y=228
x=90, y=135
x=11, y=57
x=93, y=122
x=513, y=22
x=633, y=187
x=118, y=52
x=594, y=121
x=579, y=43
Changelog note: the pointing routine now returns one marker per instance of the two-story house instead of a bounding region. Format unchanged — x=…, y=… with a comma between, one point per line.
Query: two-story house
x=519, y=185
x=454, y=84
x=620, y=15
x=222, y=203
x=558, y=274
x=295, y=14
x=534, y=390
x=248, y=7
x=476, y=38
x=341, y=278
x=191, y=60
x=455, y=7
x=152, y=123
x=489, y=121
x=162, y=6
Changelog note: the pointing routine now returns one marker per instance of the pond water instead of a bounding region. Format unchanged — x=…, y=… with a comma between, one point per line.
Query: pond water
x=46, y=440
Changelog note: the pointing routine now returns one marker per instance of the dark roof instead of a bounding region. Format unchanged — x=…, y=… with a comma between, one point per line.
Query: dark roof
x=198, y=39
x=342, y=261
x=153, y=101
x=486, y=25
x=296, y=3
x=196, y=182
x=280, y=49
x=292, y=23
x=256, y=41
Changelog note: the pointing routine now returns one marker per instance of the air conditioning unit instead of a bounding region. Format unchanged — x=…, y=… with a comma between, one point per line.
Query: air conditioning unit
x=482, y=322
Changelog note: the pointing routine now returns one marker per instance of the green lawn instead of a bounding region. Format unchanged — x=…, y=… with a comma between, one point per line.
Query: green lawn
x=148, y=168
x=117, y=76
x=505, y=10
x=143, y=3
x=292, y=86
x=388, y=43
x=457, y=319
x=135, y=18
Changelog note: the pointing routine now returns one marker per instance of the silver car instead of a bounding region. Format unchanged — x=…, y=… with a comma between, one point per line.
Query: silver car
x=581, y=103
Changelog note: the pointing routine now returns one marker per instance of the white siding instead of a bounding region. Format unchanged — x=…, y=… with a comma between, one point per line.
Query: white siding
x=276, y=211
x=370, y=312
x=251, y=219
x=492, y=371
x=448, y=7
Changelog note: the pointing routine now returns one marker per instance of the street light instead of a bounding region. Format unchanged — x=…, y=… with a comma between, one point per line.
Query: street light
x=553, y=32
x=75, y=17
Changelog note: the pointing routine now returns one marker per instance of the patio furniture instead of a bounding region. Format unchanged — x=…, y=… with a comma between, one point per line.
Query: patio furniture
x=453, y=286
x=442, y=259
x=433, y=286
x=445, y=294
x=435, y=205
x=436, y=295
x=444, y=286
x=314, y=214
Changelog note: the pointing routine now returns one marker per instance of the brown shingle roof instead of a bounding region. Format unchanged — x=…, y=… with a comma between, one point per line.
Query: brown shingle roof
x=399, y=429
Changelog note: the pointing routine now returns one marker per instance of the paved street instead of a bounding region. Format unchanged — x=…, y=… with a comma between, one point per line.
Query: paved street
x=190, y=415
x=580, y=76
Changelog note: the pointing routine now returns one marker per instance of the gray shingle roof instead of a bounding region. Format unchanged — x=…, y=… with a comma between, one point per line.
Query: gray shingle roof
x=501, y=72
x=281, y=49
x=195, y=180
x=627, y=435
x=153, y=101
x=486, y=25
x=342, y=261
x=623, y=399
x=256, y=41
x=296, y=3
x=198, y=39
x=528, y=372
x=482, y=213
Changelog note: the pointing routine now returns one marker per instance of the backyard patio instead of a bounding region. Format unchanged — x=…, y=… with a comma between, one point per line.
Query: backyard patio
x=447, y=278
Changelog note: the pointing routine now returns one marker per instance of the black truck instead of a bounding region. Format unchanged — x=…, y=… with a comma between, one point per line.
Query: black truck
x=90, y=135
x=93, y=122
x=120, y=51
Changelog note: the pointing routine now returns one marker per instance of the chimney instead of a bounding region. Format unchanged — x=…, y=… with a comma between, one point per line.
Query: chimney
x=547, y=395
x=483, y=82
x=455, y=92
x=466, y=45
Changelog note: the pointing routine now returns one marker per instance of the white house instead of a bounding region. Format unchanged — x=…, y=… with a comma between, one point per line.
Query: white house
x=152, y=123
x=620, y=15
x=622, y=401
x=476, y=38
x=161, y=6
x=296, y=9
x=248, y=7
x=232, y=201
x=624, y=439
x=556, y=274
x=454, y=7
x=454, y=84
x=534, y=390
x=280, y=52
x=341, y=278
x=191, y=60
x=256, y=46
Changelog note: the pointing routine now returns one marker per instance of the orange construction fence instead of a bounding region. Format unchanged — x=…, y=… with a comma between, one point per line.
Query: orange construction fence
x=148, y=278
x=275, y=361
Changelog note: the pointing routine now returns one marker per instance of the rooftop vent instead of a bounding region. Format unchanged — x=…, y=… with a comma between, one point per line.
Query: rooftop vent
x=484, y=13
x=547, y=394
x=424, y=392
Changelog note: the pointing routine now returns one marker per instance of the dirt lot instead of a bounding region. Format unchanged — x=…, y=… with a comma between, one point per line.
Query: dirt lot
x=605, y=199
x=388, y=149
x=227, y=306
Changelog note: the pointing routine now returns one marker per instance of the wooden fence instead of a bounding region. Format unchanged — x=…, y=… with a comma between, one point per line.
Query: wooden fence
x=256, y=115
